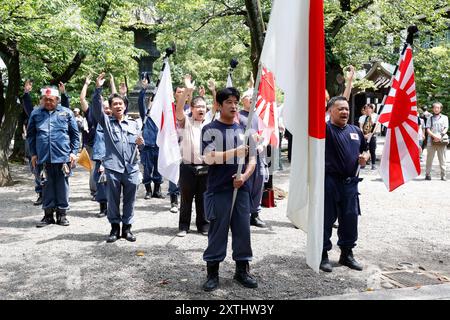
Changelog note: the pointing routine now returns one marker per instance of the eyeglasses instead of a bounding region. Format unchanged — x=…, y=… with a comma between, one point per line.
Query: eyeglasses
x=199, y=106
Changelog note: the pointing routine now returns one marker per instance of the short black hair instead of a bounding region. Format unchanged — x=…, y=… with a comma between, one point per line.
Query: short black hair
x=115, y=95
x=333, y=100
x=224, y=94
x=196, y=99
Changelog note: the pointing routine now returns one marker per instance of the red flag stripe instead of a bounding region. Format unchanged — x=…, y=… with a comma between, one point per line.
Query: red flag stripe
x=413, y=148
x=316, y=90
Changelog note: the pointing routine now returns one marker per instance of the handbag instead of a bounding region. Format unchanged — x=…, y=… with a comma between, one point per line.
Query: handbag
x=443, y=142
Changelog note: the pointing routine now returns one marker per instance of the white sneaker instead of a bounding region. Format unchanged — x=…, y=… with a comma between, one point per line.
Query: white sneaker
x=174, y=209
x=182, y=233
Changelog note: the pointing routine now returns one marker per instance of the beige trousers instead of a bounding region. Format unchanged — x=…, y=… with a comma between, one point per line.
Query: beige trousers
x=431, y=150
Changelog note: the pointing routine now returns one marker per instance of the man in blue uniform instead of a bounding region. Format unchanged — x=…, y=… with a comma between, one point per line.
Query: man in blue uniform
x=121, y=136
x=260, y=175
x=98, y=153
x=28, y=108
x=345, y=151
x=150, y=151
x=53, y=139
x=222, y=147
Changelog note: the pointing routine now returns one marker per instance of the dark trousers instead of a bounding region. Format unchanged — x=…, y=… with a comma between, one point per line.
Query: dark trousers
x=149, y=159
x=192, y=186
x=55, y=191
x=100, y=194
x=37, y=177
x=256, y=182
x=127, y=185
x=341, y=203
x=288, y=136
x=218, y=207
x=373, y=148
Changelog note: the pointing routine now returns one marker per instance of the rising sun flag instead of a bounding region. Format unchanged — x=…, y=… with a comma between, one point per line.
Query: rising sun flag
x=400, y=161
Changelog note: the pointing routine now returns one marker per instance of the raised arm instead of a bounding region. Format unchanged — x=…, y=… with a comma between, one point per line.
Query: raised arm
x=83, y=101
x=181, y=99
x=112, y=84
x=65, y=100
x=97, y=105
x=31, y=139
x=212, y=88
x=349, y=83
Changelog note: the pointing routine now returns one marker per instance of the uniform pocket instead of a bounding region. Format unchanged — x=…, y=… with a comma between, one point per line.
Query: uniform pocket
x=115, y=134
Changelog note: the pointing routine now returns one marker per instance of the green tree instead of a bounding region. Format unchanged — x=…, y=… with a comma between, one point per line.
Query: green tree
x=59, y=40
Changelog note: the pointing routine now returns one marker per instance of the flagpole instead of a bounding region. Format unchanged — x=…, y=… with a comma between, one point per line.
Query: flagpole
x=249, y=123
x=409, y=41
x=169, y=52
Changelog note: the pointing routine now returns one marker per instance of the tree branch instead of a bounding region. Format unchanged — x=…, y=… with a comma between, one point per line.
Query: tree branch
x=225, y=13
x=80, y=55
x=339, y=22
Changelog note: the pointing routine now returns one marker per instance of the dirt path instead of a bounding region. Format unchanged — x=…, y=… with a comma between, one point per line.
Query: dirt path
x=411, y=225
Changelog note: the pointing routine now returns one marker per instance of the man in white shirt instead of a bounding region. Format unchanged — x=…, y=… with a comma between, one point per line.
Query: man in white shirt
x=366, y=124
x=436, y=127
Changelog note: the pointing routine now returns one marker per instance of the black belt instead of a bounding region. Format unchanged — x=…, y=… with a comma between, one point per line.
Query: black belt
x=344, y=179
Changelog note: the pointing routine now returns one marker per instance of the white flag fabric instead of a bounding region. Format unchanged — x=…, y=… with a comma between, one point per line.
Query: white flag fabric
x=162, y=113
x=229, y=81
x=294, y=51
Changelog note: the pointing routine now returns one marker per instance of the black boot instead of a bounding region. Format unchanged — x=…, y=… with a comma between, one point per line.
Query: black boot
x=325, y=264
x=103, y=210
x=243, y=277
x=61, y=218
x=48, y=218
x=126, y=233
x=256, y=221
x=174, y=203
x=38, y=201
x=346, y=259
x=213, y=276
x=157, y=192
x=114, y=235
x=148, y=191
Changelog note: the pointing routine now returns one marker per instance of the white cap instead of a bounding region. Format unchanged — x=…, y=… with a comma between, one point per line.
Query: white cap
x=49, y=92
x=76, y=110
x=248, y=93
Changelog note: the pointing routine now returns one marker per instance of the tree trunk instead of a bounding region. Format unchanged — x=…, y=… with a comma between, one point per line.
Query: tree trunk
x=18, y=153
x=2, y=99
x=257, y=31
x=10, y=55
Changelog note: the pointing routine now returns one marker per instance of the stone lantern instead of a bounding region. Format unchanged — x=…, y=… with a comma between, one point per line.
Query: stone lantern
x=144, y=27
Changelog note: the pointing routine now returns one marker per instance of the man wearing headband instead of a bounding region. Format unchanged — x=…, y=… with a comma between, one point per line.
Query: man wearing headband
x=53, y=139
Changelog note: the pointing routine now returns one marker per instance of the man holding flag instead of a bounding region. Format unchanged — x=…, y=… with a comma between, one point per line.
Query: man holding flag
x=223, y=149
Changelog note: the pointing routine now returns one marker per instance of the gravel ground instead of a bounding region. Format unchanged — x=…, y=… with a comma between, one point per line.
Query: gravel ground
x=410, y=225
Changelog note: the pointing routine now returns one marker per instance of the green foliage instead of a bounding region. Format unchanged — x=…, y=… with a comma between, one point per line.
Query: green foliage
x=50, y=34
x=378, y=33
x=205, y=44
x=208, y=33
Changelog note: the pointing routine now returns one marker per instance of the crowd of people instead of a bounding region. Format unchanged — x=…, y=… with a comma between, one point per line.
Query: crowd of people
x=213, y=145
